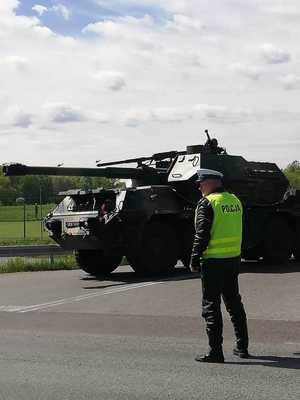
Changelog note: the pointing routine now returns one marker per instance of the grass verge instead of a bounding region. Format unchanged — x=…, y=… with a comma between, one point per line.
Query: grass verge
x=22, y=264
x=15, y=230
x=24, y=242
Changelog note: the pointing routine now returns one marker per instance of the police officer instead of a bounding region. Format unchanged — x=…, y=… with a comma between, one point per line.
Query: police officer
x=217, y=243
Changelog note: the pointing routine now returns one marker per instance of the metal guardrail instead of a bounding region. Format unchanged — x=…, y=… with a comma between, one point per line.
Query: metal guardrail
x=33, y=251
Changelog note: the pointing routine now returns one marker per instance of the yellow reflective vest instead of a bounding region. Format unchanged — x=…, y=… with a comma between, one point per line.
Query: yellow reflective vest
x=226, y=230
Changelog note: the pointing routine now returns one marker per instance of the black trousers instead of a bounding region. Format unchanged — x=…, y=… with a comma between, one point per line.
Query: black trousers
x=220, y=279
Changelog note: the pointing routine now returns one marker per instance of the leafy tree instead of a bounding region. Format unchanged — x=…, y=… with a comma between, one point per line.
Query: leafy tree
x=30, y=187
x=33, y=186
x=96, y=182
x=63, y=183
x=8, y=194
x=292, y=172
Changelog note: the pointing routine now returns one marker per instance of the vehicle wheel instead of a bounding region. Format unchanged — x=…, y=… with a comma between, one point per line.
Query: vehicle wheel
x=158, y=252
x=277, y=247
x=95, y=262
x=296, y=246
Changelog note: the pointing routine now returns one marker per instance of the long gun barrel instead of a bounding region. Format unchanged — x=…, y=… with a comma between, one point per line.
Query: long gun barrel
x=121, y=173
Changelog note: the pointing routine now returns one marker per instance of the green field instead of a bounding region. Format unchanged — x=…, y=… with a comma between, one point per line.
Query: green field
x=16, y=213
x=15, y=230
x=12, y=224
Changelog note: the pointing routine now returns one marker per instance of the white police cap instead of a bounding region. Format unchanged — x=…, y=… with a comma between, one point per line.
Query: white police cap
x=208, y=174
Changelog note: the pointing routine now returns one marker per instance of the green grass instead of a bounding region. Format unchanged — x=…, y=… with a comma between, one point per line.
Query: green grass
x=16, y=213
x=12, y=225
x=15, y=230
x=28, y=241
x=38, y=264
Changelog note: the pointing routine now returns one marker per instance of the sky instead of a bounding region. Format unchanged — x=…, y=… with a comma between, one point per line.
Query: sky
x=83, y=80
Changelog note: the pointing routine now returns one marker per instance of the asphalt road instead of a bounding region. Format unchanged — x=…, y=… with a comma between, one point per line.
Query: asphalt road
x=65, y=335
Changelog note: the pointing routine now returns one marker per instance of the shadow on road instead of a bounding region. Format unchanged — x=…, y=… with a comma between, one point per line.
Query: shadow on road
x=179, y=274
x=271, y=361
x=260, y=267
x=182, y=273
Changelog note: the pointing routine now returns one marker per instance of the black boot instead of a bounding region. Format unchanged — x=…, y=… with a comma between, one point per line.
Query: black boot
x=242, y=353
x=239, y=321
x=211, y=357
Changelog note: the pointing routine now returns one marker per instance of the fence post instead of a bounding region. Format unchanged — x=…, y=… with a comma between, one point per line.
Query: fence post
x=41, y=211
x=51, y=258
x=24, y=219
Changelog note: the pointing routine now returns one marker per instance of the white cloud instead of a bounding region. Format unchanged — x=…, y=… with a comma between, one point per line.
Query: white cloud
x=62, y=10
x=174, y=115
x=59, y=9
x=291, y=81
x=171, y=114
x=137, y=31
x=249, y=71
x=107, y=28
x=12, y=24
x=40, y=9
x=184, y=57
x=62, y=113
x=43, y=31
x=23, y=120
x=223, y=114
x=177, y=6
x=112, y=80
x=135, y=117
x=183, y=70
x=99, y=117
x=118, y=27
x=274, y=55
x=184, y=24
x=15, y=116
x=8, y=6
x=16, y=62
x=282, y=8
x=140, y=116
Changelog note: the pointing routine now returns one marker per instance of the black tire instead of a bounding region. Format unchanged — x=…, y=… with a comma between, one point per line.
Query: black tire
x=158, y=252
x=296, y=244
x=277, y=248
x=95, y=262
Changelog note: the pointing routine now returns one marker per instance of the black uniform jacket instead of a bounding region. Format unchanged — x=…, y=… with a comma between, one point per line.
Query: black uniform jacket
x=203, y=222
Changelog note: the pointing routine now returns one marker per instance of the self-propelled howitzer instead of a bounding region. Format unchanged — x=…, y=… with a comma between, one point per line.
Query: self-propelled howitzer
x=151, y=221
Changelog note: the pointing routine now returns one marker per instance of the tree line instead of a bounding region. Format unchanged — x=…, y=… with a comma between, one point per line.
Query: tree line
x=34, y=189
x=45, y=188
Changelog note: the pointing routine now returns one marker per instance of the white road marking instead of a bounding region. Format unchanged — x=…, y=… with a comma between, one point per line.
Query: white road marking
x=9, y=308
x=293, y=343
x=68, y=300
